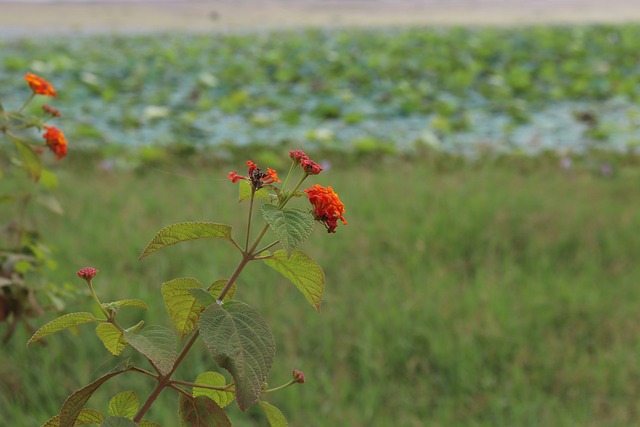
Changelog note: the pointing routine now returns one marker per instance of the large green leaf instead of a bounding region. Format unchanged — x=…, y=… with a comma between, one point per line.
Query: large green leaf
x=85, y=417
x=185, y=231
x=291, y=226
x=111, y=337
x=124, y=404
x=183, y=308
x=274, y=415
x=214, y=379
x=61, y=323
x=157, y=343
x=241, y=342
x=245, y=192
x=30, y=159
x=303, y=272
x=201, y=412
x=72, y=407
x=118, y=422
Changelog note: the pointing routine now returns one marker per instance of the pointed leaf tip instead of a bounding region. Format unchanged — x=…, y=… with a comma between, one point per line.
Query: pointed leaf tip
x=184, y=231
x=61, y=323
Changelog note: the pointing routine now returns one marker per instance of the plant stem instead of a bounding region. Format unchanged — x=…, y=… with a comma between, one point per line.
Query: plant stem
x=165, y=380
x=253, y=193
x=271, y=390
x=210, y=387
x=27, y=102
x=293, y=164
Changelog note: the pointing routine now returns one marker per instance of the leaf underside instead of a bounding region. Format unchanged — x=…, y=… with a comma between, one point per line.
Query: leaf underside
x=242, y=343
x=157, y=343
x=291, y=226
x=201, y=412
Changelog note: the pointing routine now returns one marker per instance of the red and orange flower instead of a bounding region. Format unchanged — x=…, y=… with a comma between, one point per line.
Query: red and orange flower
x=328, y=208
x=56, y=141
x=257, y=177
x=39, y=85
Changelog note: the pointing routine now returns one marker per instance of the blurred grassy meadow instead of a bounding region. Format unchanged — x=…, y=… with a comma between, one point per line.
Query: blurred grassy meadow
x=482, y=286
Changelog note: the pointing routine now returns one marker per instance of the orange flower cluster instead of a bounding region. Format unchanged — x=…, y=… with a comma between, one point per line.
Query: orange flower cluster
x=39, y=85
x=56, y=141
x=257, y=177
x=328, y=207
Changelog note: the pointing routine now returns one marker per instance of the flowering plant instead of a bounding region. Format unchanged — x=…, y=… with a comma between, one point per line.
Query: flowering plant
x=23, y=253
x=235, y=334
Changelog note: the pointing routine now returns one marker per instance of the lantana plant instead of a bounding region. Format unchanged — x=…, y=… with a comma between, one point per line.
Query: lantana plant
x=235, y=334
x=23, y=253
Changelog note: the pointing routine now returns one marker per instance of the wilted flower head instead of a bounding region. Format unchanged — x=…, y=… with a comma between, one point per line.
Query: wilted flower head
x=39, y=85
x=311, y=167
x=328, y=208
x=56, y=141
x=298, y=376
x=297, y=155
x=87, y=273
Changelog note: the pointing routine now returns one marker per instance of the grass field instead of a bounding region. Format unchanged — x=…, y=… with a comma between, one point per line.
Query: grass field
x=475, y=294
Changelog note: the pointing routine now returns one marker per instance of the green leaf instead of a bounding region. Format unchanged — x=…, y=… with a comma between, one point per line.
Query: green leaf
x=241, y=342
x=216, y=287
x=30, y=159
x=63, y=322
x=111, y=337
x=303, y=272
x=129, y=303
x=185, y=231
x=86, y=417
x=182, y=307
x=118, y=422
x=50, y=202
x=291, y=226
x=274, y=415
x=158, y=344
x=203, y=297
x=214, y=379
x=147, y=423
x=201, y=412
x=124, y=404
x=72, y=407
x=245, y=192
x=210, y=296
x=48, y=179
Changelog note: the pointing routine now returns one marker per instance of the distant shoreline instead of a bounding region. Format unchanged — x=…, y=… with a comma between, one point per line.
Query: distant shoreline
x=20, y=18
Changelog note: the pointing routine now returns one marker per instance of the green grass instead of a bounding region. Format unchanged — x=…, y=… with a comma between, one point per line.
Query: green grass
x=486, y=294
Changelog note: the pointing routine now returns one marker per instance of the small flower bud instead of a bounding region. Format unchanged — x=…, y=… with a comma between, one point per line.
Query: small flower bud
x=298, y=376
x=87, y=273
x=53, y=111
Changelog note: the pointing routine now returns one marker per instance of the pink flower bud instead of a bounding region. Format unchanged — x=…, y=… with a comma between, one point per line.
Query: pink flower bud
x=87, y=273
x=298, y=376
